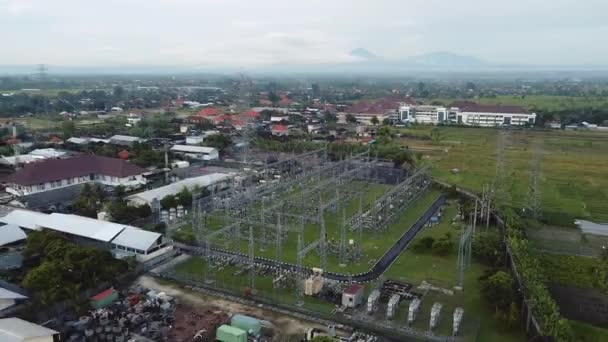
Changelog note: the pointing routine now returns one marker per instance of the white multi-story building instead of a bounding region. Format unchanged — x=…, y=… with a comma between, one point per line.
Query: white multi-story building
x=473, y=114
x=52, y=174
x=467, y=113
x=424, y=114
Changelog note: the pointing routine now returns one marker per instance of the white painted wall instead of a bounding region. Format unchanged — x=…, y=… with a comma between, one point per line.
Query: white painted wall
x=132, y=182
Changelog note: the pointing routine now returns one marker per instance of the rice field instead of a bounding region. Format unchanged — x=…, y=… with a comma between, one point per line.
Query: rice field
x=573, y=180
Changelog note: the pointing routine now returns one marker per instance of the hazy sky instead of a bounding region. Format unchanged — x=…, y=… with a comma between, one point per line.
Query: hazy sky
x=246, y=33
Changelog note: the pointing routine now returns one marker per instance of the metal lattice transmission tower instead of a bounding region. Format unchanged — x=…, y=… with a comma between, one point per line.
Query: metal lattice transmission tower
x=486, y=205
x=343, y=238
x=464, y=255
x=279, y=239
x=251, y=260
x=199, y=225
x=500, y=187
x=534, y=193
x=323, y=235
x=42, y=77
x=299, y=266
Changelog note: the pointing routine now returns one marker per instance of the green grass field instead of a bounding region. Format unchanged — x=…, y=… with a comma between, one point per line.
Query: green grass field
x=414, y=267
x=410, y=267
x=544, y=102
x=374, y=244
x=573, y=181
x=194, y=269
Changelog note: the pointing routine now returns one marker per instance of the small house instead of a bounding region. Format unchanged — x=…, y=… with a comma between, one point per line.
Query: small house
x=352, y=296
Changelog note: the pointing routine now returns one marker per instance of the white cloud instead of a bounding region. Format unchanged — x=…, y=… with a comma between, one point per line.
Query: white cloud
x=17, y=7
x=248, y=33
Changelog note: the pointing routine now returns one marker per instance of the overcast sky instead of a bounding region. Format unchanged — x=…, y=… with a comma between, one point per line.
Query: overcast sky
x=246, y=33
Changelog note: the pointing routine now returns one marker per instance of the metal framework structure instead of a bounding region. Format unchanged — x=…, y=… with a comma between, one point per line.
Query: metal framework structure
x=464, y=247
x=534, y=204
x=500, y=190
x=294, y=195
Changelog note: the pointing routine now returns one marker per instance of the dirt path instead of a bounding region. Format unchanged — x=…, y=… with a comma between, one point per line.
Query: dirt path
x=285, y=326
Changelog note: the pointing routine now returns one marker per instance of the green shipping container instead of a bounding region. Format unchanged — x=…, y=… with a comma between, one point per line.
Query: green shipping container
x=249, y=324
x=226, y=333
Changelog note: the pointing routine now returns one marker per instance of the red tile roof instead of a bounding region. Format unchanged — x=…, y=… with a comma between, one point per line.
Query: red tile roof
x=353, y=289
x=467, y=106
x=124, y=154
x=250, y=114
x=279, y=128
x=208, y=112
x=195, y=118
x=55, y=140
x=50, y=170
x=104, y=294
x=221, y=118
x=380, y=106
x=13, y=141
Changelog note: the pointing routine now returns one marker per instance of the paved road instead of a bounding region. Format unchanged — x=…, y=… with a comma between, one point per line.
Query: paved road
x=376, y=271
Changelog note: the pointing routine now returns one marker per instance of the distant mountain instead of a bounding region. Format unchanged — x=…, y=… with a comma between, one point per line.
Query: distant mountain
x=445, y=59
x=364, y=54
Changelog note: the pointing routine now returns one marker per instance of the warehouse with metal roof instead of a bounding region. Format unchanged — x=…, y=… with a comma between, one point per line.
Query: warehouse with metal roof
x=215, y=180
x=17, y=330
x=90, y=232
x=11, y=233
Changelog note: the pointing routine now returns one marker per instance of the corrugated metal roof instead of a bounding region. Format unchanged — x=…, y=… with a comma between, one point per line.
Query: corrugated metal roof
x=174, y=188
x=7, y=294
x=15, y=329
x=136, y=238
x=124, y=138
x=11, y=233
x=193, y=149
x=24, y=218
x=83, y=226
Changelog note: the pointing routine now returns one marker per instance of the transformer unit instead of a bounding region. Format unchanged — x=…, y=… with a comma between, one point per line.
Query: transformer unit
x=435, y=315
x=413, y=310
x=372, y=301
x=391, y=308
x=458, y=314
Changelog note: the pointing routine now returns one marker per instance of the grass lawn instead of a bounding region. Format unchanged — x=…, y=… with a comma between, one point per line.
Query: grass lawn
x=589, y=333
x=410, y=267
x=573, y=182
x=194, y=269
x=545, y=102
x=374, y=244
x=414, y=267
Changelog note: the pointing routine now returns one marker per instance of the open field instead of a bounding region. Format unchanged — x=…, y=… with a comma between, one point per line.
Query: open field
x=544, y=102
x=414, y=267
x=573, y=181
